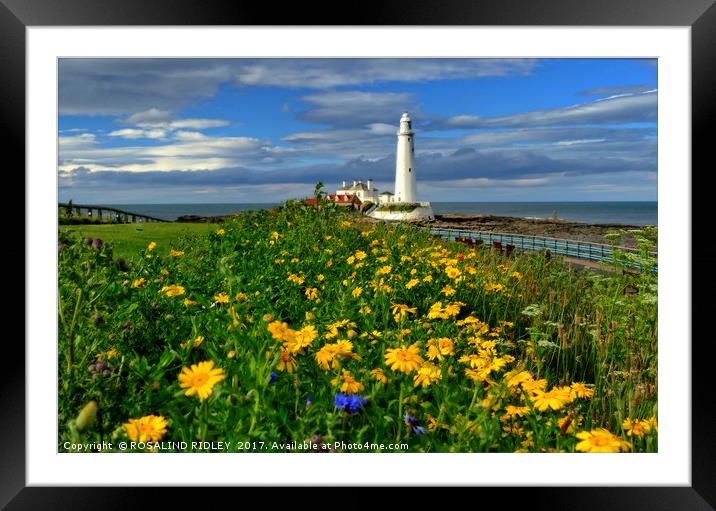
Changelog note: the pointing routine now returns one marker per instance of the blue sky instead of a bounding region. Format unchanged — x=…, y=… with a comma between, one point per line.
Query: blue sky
x=265, y=130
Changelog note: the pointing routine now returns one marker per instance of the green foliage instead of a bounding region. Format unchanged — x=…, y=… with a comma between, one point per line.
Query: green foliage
x=400, y=206
x=538, y=316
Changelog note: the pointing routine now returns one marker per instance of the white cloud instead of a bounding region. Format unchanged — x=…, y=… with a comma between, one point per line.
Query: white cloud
x=620, y=109
x=77, y=141
x=132, y=133
x=331, y=73
x=151, y=116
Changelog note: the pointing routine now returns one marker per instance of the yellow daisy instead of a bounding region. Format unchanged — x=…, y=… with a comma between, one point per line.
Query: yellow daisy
x=200, y=379
x=601, y=440
x=150, y=428
x=404, y=359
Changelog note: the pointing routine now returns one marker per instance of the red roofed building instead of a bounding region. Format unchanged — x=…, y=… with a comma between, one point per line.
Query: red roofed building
x=345, y=200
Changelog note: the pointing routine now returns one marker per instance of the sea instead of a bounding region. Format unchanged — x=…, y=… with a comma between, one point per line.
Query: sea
x=626, y=213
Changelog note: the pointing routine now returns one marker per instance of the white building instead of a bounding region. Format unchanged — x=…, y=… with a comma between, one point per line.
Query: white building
x=364, y=191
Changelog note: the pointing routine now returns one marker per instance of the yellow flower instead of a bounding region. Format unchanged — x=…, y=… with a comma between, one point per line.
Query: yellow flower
x=360, y=255
x=150, y=428
x=494, y=288
x=320, y=277
x=220, y=232
x=516, y=275
x=302, y=339
x=384, y=270
x=295, y=278
x=286, y=362
x=240, y=296
x=555, y=399
x=379, y=375
x=176, y=253
x=448, y=291
x=197, y=342
x=151, y=246
x=412, y=283
x=404, y=359
x=173, y=290
x=636, y=427
x=428, y=278
x=581, y=390
x=188, y=301
x=200, y=379
x=514, y=411
x=365, y=309
x=516, y=379
x=351, y=259
x=452, y=272
x=400, y=310
x=221, y=298
x=357, y=292
x=139, y=282
x=600, y=440
x=427, y=374
x=348, y=384
x=311, y=293
x=446, y=346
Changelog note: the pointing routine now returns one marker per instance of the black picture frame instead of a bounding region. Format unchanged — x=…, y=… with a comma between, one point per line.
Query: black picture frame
x=700, y=15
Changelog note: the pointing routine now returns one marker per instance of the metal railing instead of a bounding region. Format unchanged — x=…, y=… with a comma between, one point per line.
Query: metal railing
x=104, y=213
x=569, y=248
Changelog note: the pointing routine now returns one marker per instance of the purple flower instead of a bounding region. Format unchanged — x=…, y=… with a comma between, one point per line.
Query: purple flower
x=272, y=378
x=412, y=422
x=97, y=244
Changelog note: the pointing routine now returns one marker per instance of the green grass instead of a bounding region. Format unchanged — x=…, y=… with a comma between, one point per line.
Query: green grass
x=129, y=239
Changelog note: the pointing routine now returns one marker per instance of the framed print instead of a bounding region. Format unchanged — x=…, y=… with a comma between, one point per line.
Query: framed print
x=217, y=356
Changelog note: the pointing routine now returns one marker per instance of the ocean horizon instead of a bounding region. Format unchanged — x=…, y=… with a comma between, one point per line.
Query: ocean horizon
x=599, y=212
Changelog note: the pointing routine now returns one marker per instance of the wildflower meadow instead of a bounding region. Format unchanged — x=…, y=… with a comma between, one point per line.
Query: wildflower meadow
x=308, y=324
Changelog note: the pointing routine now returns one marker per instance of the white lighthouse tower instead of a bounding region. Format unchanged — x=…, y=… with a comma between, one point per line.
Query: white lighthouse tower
x=405, y=205
x=405, y=187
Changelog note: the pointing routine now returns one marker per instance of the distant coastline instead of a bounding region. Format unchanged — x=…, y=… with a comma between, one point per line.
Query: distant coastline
x=635, y=213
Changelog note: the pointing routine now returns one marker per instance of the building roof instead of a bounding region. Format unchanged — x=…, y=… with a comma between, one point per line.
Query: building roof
x=386, y=193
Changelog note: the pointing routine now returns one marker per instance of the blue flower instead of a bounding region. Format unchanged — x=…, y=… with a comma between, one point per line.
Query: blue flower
x=272, y=378
x=309, y=402
x=353, y=403
x=356, y=403
x=340, y=401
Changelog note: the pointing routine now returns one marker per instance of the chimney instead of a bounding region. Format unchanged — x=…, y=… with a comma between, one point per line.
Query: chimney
x=344, y=183
x=370, y=184
x=355, y=183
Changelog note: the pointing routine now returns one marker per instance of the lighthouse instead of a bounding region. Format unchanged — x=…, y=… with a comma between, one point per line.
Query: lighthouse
x=405, y=187
x=404, y=205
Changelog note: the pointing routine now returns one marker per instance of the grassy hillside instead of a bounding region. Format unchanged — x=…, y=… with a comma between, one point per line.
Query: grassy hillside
x=130, y=239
